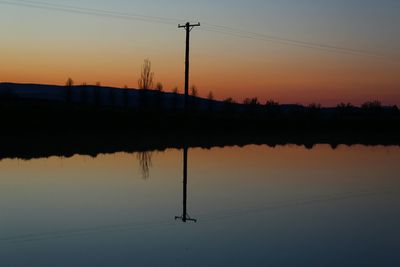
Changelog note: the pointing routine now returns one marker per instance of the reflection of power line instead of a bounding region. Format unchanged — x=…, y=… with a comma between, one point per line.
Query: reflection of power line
x=185, y=217
x=221, y=29
x=210, y=218
x=295, y=203
x=85, y=231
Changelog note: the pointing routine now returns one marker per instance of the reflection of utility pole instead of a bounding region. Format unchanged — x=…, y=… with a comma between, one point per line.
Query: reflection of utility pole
x=185, y=217
x=188, y=27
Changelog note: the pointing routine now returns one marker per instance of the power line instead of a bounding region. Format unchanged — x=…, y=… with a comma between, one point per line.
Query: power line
x=242, y=35
x=286, y=41
x=221, y=29
x=131, y=15
x=88, y=11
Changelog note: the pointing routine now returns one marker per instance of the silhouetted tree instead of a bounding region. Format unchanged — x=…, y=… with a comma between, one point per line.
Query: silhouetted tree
x=145, y=82
x=373, y=106
x=193, y=91
x=272, y=106
x=159, y=102
x=146, y=77
x=111, y=97
x=210, y=98
x=251, y=105
x=97, y=96
x=193, y=98
x=69, y=85
x=126, y=96
x=175, y=92
x=343, y=108
x=229, y=104
x=84, y=93
x=314, y=110
x=251, y=101
x=271, y=103
x=159, y=87
x=314, y=106
x=229, y=100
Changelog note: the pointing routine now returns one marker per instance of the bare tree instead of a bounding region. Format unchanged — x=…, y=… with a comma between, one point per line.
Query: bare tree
x=229, y=100
x=210, y=96
x=146, y=78
x=372, y=105
x=126, y=96
x=251, y=101
x=69, y=82
x=159, y=87
x=84, y=93
x=271, y=103
x=194, y=91
x=314, y=106
x=69, y=85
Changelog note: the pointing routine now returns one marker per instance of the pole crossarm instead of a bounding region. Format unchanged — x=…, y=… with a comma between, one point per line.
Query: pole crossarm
x=189, y=25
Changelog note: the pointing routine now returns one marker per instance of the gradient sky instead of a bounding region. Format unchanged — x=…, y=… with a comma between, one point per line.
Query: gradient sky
x=48, y=46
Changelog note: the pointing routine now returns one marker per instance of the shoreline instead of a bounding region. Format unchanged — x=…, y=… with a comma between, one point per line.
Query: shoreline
x=30, y=146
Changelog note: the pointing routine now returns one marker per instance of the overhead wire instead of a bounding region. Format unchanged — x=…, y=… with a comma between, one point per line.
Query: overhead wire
x=208, y=27
x=88, y=11
x=285, y=41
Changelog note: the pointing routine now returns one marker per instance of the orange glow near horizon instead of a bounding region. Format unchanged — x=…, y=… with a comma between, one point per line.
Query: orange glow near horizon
x=96, y=49
x=283, y=81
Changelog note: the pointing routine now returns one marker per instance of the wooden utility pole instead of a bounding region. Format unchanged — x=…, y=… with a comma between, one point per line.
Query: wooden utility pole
x=185, y=217
x=188, y=27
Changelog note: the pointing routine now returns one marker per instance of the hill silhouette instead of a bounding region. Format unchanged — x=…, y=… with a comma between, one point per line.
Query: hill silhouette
x=47, y=108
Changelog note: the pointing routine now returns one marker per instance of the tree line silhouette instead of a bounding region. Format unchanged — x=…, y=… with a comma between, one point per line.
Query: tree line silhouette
x=93, y=107
x=251, y=105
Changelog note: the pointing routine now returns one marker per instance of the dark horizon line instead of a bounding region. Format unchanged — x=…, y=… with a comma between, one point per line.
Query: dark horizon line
x=205, y=98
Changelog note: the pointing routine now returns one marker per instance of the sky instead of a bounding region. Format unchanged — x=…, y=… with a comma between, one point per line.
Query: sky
x=362, y=62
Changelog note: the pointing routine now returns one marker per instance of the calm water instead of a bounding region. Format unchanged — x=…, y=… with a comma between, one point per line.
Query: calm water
x=254, y=206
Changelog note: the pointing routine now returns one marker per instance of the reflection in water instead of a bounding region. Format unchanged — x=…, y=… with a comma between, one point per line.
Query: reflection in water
x=258, y=206
x=145, y=161
x=185, y=216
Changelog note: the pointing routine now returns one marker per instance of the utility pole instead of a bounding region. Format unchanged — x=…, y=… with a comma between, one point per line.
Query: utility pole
x=188, y=27
x=185, y=217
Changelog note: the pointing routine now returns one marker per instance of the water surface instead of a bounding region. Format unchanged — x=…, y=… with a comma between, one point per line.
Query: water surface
x=253, y=206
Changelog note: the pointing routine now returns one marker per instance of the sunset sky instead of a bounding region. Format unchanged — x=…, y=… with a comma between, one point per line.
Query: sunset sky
x=41, y=43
